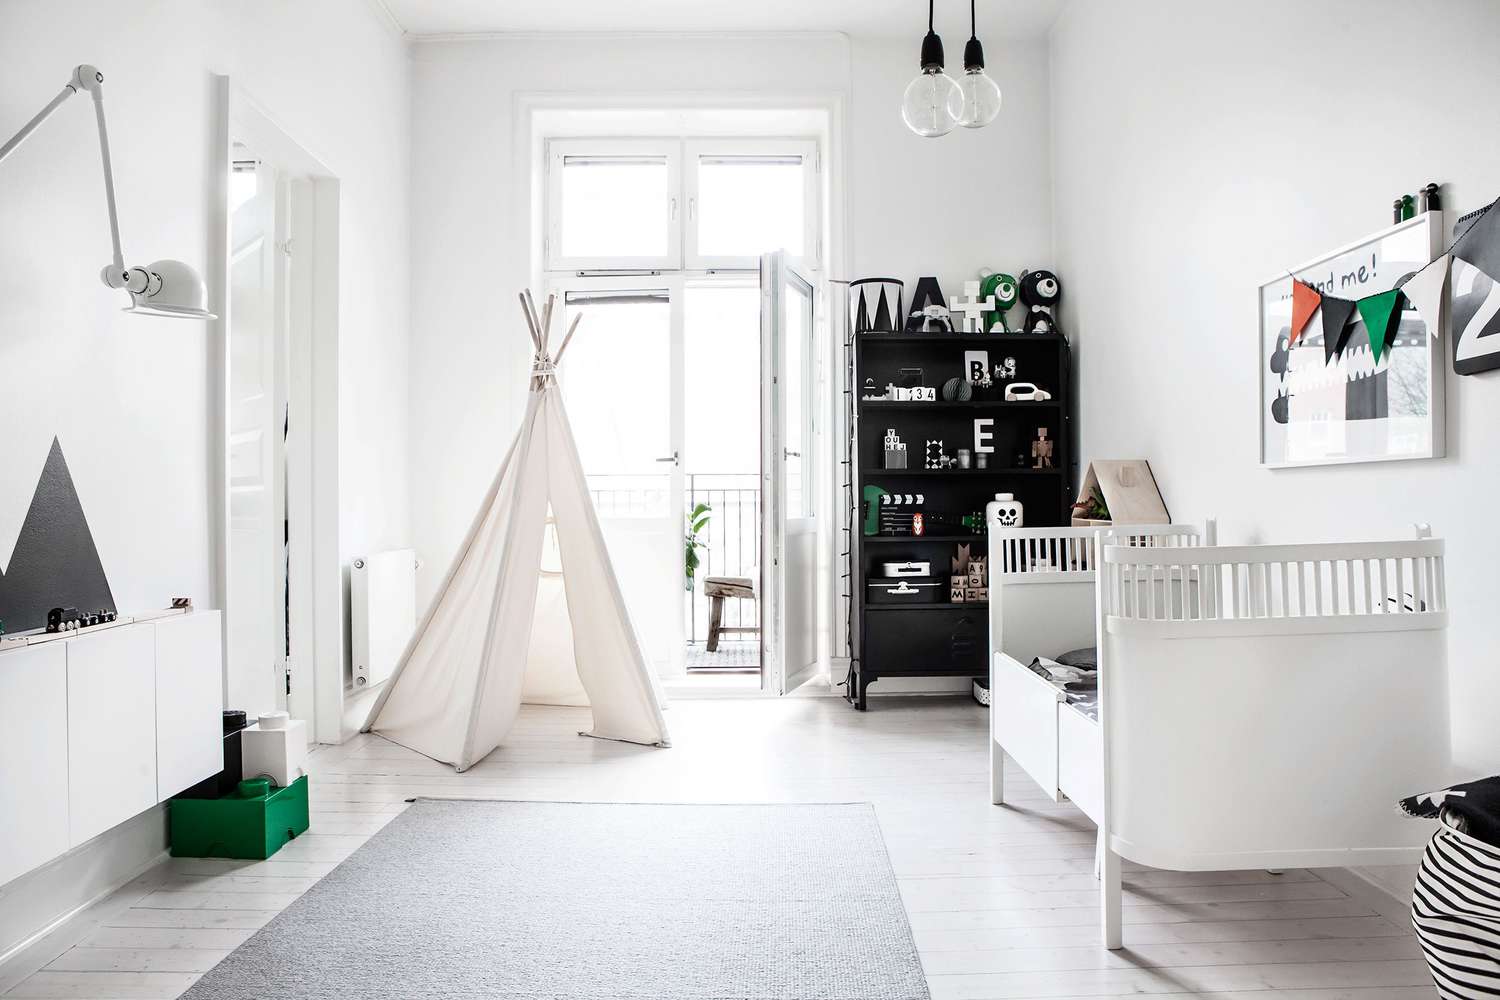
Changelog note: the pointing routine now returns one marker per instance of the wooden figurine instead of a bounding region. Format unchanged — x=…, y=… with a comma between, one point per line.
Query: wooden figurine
x=973, y=308
x=1041, y=450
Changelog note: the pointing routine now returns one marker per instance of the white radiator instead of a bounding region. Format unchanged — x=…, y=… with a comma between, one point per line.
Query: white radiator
x=383, y=613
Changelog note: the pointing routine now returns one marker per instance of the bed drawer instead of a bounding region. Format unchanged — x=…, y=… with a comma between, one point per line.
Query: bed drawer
x=1080, y=761
x=1023, y=720
x=926, y=640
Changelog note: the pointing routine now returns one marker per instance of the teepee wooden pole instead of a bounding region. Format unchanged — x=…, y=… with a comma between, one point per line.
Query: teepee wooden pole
x=536, y=320
x=568, y=339
x=530, y=324
x=547, y=322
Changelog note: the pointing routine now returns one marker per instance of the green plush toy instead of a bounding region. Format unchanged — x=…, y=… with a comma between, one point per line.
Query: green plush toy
x=1007, y=292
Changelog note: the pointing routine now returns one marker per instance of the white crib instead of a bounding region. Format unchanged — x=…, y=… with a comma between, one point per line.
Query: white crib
x=1042, y=602
x=1259, y=706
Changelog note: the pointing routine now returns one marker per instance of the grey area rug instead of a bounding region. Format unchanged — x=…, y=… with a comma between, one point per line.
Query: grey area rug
x=470, y=899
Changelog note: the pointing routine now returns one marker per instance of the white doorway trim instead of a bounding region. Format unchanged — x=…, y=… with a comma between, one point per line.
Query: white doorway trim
x=316, y=580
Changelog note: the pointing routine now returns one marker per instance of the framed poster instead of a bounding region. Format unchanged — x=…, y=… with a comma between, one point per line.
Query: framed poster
x=1331, y=407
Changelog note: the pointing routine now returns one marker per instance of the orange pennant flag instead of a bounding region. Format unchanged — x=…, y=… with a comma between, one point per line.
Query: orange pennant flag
x=1305, y=302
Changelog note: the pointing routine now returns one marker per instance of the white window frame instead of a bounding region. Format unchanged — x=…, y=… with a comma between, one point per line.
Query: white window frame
x=557, y=149
x=695, y=149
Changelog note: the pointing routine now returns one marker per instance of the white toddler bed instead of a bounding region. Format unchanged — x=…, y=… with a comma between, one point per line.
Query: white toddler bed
x=1259, y=706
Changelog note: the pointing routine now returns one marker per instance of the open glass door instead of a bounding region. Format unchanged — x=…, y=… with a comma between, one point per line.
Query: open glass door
x=625, y=409
x=789, y=619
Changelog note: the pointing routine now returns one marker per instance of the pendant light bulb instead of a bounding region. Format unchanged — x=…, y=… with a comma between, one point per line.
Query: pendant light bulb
x=931, y=100
x=977, y=100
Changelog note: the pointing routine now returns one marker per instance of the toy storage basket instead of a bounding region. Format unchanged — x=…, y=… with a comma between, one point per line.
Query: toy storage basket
x=1456, y=914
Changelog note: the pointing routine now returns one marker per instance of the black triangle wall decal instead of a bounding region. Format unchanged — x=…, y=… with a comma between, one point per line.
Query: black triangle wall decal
x=55, y=562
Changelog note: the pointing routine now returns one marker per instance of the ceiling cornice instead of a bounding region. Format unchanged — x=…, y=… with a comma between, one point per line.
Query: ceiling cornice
x=387, y=17
x=508, y=36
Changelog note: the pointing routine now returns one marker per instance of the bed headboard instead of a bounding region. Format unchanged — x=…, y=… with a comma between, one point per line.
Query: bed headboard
x=1042, y=581
x=1274, y=583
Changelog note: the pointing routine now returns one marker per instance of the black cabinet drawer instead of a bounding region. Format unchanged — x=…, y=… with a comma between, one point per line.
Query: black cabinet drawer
x=926, y=640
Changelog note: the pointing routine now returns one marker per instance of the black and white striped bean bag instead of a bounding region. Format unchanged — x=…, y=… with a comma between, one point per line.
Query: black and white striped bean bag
x=1456, y=901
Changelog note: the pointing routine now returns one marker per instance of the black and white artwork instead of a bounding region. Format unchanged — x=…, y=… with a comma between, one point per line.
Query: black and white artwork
x=1475, y=277
x=55, y=562
x=1325, y=397
x=876, y=305
x=1476, y=319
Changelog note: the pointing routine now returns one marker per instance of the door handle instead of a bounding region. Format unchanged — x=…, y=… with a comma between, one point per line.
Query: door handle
x=791, y=454
x=670, y=458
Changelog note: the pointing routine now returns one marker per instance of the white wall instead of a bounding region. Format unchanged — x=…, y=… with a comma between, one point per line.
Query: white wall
x=1198, y=150
x=913, y=206
x=129, y=396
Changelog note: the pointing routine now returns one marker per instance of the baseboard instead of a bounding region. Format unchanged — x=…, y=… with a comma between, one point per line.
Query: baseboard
x=1381, y=889
x=35, y=904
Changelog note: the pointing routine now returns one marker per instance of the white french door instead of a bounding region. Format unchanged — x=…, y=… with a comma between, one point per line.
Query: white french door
x=255, y=607
x=623, y=392
x=789, y=529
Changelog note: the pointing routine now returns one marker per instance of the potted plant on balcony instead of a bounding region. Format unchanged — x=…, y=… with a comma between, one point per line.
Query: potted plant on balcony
x=697, y=523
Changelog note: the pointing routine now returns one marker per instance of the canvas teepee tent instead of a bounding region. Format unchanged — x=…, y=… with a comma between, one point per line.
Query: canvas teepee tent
x=497, y=633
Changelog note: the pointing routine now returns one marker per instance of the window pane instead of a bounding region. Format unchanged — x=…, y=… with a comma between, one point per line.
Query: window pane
x=722, y=387
x=749, y=205
x=615, y=381
x=614, y=206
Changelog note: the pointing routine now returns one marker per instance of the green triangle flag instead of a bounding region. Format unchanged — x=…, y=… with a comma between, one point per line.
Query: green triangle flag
x=1378, y=312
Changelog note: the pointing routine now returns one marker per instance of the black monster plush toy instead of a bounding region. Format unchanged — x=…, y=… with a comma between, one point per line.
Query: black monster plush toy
x=1040, y=291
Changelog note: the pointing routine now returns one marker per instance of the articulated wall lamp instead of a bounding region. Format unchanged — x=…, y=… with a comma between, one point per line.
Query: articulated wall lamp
x=164, y=288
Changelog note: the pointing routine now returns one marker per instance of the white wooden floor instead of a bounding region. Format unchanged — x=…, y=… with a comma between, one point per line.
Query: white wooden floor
x=1002, y=900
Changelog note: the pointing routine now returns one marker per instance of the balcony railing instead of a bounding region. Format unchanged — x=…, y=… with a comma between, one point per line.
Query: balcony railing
x=732, y=538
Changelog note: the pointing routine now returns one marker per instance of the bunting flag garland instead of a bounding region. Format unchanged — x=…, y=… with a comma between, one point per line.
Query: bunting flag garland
x=1381, y=314
x=1475, y=249
x=1336, y=315
x=1305, y=299
x=1427, y=291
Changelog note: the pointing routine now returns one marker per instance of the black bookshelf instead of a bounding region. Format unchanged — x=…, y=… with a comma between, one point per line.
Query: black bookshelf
x=939, y=638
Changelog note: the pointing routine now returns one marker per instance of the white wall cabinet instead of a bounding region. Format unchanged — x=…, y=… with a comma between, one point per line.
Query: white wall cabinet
x=99, y=728
x=189, y=676
x=111, y=729
x=33, y=758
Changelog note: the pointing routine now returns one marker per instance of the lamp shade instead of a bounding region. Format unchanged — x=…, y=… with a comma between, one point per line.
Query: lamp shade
x=175, y=290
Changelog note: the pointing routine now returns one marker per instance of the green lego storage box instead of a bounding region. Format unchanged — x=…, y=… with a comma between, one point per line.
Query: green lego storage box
x=250, y=827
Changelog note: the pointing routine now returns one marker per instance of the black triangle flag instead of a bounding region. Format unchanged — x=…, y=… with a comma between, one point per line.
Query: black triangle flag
x=55, y=562
x=1480, y=243
x=883, y=319
x=1336, y=315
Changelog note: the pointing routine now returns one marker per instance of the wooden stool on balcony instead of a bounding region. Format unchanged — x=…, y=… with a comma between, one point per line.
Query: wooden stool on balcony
x=716, y=589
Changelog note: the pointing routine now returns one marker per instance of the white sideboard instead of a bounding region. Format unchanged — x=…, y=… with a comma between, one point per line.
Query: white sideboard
x=100, y=727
